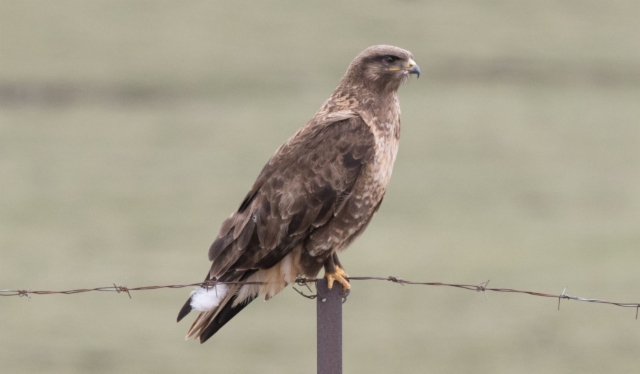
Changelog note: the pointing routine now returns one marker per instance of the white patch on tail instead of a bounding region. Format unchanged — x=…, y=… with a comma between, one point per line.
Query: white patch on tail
x=205, y=300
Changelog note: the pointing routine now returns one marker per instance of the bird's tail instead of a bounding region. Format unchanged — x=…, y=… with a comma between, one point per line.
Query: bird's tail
x=217, y=305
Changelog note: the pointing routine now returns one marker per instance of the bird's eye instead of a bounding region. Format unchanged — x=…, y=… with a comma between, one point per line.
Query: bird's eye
x=389, y=59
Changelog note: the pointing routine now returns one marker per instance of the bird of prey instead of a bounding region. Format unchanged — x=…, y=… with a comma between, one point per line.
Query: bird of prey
x=317, y=193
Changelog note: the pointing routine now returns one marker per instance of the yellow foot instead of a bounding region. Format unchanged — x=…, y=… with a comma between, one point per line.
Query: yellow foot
x=338, y=276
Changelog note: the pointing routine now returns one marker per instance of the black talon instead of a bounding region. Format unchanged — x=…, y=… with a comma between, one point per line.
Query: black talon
x=344, y=295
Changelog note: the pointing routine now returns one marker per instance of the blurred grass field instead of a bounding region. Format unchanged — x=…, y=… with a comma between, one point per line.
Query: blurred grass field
x=130, y=129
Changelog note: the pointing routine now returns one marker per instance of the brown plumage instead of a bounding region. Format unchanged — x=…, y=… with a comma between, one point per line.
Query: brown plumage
x=315, y=195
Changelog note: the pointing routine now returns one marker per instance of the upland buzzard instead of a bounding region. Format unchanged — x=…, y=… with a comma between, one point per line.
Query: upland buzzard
x=315, y=195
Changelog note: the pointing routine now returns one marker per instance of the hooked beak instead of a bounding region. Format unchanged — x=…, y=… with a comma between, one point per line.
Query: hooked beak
x=413, y=68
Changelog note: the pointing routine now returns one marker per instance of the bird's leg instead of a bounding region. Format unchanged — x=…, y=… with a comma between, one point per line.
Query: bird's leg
x=333, y=271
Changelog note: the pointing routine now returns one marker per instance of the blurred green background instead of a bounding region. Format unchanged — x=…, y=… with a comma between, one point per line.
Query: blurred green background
x=130, y=129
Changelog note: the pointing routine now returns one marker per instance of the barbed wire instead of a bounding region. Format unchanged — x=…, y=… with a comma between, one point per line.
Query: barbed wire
x=480, y=287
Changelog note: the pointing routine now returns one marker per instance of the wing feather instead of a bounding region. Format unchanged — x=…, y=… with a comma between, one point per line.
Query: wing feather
x=246, y=234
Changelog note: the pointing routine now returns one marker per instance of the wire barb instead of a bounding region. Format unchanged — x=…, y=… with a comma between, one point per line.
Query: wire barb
x=122, y=289
x=561, y=297
x=305, y=282
x=391, y=278
x=482, y=287
x=24, y=293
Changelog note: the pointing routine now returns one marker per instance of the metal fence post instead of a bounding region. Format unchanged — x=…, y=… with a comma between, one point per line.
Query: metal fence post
x=329, y=328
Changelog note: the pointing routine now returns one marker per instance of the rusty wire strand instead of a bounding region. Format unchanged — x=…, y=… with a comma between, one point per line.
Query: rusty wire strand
x=480, y=287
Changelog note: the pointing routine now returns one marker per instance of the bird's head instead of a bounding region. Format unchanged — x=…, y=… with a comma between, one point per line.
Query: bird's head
x=382, y=68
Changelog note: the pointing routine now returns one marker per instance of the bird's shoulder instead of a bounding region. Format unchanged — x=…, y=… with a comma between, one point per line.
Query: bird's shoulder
x=329, y=139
